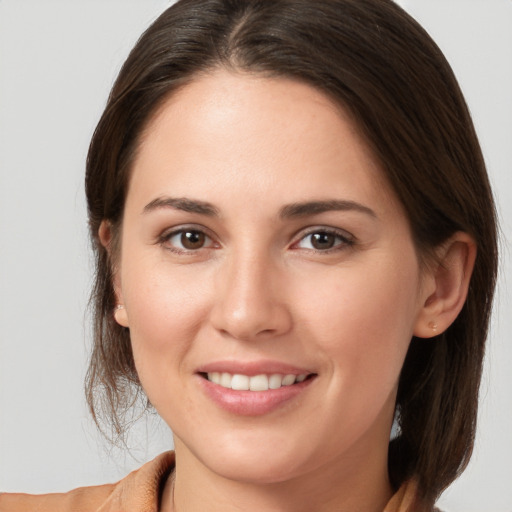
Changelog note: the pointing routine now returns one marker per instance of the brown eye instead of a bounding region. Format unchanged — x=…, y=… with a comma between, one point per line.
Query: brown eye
x=192, y=240
x=186, y=240
x=323, y=240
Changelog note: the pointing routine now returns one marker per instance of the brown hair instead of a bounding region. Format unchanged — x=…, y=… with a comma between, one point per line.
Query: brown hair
x=381, y=66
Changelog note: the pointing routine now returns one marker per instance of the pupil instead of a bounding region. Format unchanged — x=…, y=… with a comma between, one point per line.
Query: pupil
x=322, y=240
x=192, y=239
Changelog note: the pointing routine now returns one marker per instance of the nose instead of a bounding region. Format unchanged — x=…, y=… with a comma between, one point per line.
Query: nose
x=250, y=300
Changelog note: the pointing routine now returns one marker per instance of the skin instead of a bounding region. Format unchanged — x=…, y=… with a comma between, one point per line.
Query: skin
x=257, y=289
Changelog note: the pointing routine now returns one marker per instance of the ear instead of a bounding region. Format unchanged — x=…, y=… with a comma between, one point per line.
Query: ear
x=446, y=285
x=105, y=236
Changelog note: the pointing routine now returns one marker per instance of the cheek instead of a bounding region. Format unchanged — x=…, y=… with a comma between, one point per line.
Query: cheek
x=165, y=312
x=363, y=317
x=165, y=308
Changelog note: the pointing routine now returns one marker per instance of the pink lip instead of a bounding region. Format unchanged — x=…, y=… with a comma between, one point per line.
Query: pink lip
x=252, y=403
x=252, y=368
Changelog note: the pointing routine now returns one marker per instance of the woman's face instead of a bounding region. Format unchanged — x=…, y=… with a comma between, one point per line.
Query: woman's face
x=262, y=247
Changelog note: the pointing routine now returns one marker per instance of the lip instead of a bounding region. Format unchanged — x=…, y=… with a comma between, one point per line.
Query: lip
x=252, y=403
x=252, y=368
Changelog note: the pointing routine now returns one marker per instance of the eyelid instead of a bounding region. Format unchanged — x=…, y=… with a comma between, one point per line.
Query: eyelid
x=347, y=239
x=164, y=237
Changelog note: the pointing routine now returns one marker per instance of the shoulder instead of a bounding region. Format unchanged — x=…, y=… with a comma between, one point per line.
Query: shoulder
x=137, y=492
x=79, y=500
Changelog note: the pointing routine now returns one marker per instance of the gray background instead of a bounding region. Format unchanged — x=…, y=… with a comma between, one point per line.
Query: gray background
x=58, y=59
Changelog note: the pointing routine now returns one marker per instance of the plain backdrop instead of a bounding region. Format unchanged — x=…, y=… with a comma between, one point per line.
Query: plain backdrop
x=58, y=59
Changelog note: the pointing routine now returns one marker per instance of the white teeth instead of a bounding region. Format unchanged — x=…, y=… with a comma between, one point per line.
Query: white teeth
x=261, y=382
x=240, y=382
x=275, y=381
x=225, y=380
x=258, y=383
x=288, y=380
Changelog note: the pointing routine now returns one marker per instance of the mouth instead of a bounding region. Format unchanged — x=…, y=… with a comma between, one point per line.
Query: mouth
x=254, y=388
x=257, y=383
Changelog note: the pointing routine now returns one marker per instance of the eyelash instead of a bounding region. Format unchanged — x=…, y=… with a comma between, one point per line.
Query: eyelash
x=343, y=240
x=165, y=238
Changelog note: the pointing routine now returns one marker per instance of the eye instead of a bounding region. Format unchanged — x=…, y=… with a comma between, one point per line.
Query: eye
x=324, y=240
x=186, y=240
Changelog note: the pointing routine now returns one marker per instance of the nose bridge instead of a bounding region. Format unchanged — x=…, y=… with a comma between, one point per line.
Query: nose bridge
x=249, y=303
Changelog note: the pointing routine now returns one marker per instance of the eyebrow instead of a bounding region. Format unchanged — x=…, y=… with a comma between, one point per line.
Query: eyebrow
x=183, y=204
x=289, y=211
x=317, y=207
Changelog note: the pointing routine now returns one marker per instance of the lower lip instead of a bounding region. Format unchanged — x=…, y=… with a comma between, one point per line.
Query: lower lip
x=253, y=403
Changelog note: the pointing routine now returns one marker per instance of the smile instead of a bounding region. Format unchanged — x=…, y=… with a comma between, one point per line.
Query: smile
x=255, y=394
x=263, y=382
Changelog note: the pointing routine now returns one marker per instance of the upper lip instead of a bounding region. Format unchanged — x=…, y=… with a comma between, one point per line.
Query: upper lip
x=251, y=368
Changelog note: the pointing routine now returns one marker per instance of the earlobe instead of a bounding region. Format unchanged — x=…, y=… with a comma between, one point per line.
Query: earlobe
x=120, y=315
x=449, y=280
x=105, y=236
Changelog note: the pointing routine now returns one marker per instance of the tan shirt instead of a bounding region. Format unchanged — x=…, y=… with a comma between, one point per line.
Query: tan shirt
x=138, y=492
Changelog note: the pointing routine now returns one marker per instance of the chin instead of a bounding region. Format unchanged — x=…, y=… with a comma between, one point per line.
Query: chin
x=270, y=471
x=252, y=461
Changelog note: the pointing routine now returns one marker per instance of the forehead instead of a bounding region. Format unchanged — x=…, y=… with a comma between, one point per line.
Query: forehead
x=251, y=131
x=250, y=102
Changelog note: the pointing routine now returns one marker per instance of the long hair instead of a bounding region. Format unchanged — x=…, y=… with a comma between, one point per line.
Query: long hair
x=375, y=61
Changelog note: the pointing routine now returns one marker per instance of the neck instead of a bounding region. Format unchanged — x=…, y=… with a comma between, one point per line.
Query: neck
x=341, y=486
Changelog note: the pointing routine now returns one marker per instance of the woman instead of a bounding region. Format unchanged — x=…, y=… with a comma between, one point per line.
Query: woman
x=295, y=244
